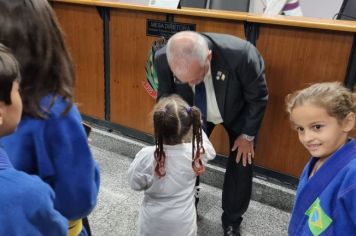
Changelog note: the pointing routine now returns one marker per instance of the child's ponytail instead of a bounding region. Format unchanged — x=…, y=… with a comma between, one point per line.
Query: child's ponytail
x=197, y=163
x=174, y=123
x=159, y=154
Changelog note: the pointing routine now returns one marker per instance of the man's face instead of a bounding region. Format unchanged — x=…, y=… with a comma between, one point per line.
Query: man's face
x=195, y=72
x=193, y=75
x=320, y=133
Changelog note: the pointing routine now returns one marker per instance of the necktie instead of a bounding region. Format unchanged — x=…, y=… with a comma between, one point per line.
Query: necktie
x=200, y=101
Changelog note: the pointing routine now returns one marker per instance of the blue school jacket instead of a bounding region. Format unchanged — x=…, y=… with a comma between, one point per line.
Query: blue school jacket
x=26, y=204
x=56, y=149
x=325, y=204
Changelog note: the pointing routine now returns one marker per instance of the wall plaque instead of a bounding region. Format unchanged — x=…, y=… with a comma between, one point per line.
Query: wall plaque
x=165, y=28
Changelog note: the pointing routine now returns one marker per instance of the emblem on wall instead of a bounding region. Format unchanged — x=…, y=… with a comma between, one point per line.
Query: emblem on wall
x=151, y=83
x=164, y=30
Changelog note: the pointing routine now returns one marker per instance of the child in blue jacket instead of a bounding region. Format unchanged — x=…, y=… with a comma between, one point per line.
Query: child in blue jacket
x=50, y=141
x=26, y=201
x=323, y=116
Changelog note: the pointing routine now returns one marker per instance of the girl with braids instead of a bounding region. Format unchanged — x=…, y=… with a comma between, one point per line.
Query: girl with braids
x=323, y=116
x=167, y=171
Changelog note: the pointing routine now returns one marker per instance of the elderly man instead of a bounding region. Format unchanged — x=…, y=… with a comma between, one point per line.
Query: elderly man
x=224, y=76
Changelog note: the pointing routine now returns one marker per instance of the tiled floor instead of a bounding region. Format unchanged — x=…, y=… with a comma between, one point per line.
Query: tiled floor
x=117, y=209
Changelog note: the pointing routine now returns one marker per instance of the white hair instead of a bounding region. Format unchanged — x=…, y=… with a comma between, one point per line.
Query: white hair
x=183, y=48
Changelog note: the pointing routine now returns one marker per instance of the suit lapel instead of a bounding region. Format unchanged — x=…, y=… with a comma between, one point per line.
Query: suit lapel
x=219, y=75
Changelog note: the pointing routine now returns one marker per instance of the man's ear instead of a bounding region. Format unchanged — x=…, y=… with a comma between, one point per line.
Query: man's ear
x=349, y=122
x=210, y=55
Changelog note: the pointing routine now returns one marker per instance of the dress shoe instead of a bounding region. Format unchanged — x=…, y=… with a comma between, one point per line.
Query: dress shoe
x=231, y=231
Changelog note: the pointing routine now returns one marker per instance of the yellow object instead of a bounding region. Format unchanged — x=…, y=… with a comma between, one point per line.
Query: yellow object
x=75, y=227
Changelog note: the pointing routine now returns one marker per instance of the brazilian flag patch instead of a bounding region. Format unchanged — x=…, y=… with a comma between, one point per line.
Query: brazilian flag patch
x=318, y=220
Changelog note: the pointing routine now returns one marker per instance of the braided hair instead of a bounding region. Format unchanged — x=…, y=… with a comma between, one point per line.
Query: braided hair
x=175, y=122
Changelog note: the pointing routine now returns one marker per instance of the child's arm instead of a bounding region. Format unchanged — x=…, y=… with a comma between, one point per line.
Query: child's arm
x=209, y=149
x=141, y=170
x=64, y=152
x=348, y=200
x=45, y=219
x=27, y=206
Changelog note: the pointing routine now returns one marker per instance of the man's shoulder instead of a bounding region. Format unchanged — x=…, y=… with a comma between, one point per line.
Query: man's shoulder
x=228, y=45
x=160, y=53
x=218, y=37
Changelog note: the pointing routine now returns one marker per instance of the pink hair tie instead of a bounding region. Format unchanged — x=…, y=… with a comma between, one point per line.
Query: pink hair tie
x=163, y=109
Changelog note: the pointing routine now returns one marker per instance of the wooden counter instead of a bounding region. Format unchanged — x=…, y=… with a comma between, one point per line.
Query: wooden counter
x=297, y=51
x=83, y=32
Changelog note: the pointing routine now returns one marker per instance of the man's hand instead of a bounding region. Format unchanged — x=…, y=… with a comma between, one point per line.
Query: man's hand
x=244, y=150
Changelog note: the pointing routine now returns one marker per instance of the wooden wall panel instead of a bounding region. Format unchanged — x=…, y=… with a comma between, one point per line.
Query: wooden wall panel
x=129, y=47
x=83, y=32
x=214, y=25
x=128, y=29
x=294, y=58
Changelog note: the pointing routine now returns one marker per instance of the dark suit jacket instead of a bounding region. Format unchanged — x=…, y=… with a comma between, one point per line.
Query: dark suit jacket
x=241, y=96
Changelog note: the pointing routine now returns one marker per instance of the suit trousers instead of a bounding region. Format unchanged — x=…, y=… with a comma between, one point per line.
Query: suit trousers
x=237, y=188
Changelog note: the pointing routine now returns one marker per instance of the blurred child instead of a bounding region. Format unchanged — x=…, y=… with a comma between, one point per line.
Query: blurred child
x=26, y=202
x=323, y=115
x=167, y=171
x=50, y=141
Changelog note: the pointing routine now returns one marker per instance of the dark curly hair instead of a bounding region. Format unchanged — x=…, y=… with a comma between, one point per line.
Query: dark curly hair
x=176, y=122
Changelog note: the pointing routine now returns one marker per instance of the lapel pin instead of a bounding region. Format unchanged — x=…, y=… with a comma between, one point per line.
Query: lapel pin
x=218, y=75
